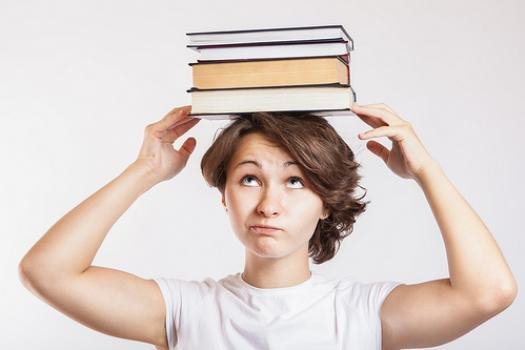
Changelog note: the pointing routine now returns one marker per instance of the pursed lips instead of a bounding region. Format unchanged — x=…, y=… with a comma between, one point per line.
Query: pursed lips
x=264, y=228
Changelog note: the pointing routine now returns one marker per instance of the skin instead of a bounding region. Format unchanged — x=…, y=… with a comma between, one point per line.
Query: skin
x=58, y=268
x=274, y=194
x=480, y=283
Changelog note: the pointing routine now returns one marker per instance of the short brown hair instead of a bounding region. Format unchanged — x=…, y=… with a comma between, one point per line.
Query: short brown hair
x=323, y=156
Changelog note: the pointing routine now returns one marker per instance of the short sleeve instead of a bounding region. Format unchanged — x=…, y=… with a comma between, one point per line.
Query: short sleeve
x=171, y=293
x=359, y=311
x=377, y=293
x=185, y=307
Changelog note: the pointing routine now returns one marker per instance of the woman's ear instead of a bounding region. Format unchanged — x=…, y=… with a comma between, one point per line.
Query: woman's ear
x=223, y=202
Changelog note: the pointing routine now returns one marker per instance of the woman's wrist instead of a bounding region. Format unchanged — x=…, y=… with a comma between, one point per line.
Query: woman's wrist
x=144, y=175
x=429, y=170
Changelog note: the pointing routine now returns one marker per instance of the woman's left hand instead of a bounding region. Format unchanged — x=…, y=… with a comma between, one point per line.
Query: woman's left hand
x=408, y=157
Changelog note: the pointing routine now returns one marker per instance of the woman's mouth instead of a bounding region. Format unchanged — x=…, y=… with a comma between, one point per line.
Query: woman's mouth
x=268, y=230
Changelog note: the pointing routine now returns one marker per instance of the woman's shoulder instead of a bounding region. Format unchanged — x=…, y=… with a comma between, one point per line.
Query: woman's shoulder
x=370, y=292
x=193, y=286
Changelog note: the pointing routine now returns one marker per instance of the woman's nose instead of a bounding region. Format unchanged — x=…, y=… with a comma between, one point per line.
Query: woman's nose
x=270, y=203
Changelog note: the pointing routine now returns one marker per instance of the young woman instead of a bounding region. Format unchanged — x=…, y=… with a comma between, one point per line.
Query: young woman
x=287, y=185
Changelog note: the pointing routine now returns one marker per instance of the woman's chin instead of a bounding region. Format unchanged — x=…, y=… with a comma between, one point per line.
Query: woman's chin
x=266, y=247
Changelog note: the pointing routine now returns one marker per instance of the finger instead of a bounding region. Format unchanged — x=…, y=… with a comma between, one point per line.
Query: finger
x=372, y=121
x=380, y=106
x=187, y=147
x=394, y=133
x=175, y=115
x=379, y=150
x=384, y=115
x=180, y=129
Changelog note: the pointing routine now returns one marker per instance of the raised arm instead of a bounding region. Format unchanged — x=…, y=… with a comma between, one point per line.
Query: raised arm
x=58, y=267
x=480, y=283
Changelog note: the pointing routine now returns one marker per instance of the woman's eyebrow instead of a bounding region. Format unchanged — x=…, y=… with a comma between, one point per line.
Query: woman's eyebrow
x=250, y=161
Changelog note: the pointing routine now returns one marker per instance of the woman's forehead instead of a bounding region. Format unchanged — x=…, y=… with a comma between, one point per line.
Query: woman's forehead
x=260, y=148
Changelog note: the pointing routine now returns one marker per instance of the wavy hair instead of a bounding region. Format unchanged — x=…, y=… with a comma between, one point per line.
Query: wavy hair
x=323, y=156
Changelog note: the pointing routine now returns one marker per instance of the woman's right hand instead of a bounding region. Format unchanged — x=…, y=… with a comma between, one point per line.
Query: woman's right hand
x=157, y=153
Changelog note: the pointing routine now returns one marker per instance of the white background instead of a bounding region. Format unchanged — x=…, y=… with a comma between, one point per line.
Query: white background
x=79, y=81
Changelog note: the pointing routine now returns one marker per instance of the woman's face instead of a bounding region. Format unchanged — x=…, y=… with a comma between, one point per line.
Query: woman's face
x=266, y=187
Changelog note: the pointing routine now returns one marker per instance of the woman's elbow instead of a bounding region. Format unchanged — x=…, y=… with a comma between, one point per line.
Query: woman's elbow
x=35, y=276
x=26, y=275
x=499, y=298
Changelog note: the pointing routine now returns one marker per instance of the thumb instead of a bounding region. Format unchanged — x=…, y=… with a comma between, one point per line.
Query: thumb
x=187, y=147
x=379, y=150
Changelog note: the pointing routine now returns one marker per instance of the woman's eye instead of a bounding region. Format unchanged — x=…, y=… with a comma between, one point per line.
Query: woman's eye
x=249, y=180
x=297, y=180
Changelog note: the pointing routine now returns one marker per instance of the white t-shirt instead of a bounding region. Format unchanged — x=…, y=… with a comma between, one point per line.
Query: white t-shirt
x=319, y=313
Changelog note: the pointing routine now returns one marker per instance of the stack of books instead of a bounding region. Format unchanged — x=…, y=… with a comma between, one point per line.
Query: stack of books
x=296, y=69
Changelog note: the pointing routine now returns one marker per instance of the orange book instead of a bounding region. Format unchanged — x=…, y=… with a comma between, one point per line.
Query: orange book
x=273, y=72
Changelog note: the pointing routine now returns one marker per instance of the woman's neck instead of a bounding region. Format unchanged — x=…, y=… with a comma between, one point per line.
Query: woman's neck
x=282, y=272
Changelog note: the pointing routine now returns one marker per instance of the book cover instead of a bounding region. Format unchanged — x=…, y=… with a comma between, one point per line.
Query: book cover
x=270, y=34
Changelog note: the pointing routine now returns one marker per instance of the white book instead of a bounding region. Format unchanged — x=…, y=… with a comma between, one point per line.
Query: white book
x=219, y=103
x=330, y=113
x=326, y=32
x=272, y=51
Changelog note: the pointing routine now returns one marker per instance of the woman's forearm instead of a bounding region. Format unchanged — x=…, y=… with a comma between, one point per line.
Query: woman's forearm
x=476, y=264
x=71, y=244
